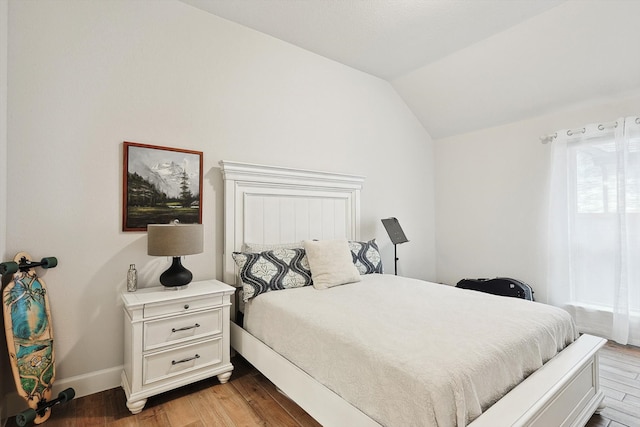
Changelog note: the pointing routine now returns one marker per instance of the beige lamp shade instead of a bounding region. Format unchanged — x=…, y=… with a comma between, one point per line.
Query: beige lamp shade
x=174, y=239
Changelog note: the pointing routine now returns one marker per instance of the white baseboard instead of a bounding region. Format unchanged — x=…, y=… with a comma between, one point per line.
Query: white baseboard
x=83, y=385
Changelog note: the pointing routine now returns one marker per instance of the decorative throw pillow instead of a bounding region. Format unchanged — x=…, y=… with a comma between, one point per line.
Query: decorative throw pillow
x=272, y=270
x=261, y=247
x=366, y=256
x=331, y=263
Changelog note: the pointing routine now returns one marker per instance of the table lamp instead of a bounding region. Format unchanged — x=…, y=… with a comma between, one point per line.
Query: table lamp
x=175, y=240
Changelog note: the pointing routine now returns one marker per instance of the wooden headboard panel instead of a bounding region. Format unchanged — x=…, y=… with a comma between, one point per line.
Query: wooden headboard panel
x=267, y=204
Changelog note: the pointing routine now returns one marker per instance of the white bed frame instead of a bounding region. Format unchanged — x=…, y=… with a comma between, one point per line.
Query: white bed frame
x=265, y=204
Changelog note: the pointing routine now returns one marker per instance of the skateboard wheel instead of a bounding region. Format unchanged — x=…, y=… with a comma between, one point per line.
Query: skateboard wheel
x=25, y=417
x=8, y=268
x=66, y=395
x=49, y=262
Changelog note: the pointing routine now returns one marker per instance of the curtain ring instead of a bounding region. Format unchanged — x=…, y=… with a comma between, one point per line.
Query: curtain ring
x=571, y=132
x=602, y=127
x=638, y=120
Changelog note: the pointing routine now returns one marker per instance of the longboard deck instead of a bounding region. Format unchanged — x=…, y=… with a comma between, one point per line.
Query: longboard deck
x=29, y=333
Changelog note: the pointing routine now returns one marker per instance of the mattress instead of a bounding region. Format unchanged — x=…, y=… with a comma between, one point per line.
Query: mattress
x=408, y=352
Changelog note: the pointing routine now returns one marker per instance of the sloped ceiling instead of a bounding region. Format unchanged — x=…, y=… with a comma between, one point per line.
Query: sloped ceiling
x=463, y=65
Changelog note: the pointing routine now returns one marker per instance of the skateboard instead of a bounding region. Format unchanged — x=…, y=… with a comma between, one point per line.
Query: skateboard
x=29, y=333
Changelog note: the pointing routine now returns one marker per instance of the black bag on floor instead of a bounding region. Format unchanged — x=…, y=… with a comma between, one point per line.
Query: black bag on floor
x=504, y=286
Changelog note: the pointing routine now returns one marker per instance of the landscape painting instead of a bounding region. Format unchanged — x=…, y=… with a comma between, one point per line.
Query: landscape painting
x=160, y=184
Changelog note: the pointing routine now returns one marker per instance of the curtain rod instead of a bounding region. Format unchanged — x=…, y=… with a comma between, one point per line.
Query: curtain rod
x=602, y=126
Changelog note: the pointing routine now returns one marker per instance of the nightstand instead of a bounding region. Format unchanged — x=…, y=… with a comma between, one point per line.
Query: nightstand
x=174, y=337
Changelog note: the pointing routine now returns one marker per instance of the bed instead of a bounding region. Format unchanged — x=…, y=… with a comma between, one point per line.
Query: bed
x=268, y=205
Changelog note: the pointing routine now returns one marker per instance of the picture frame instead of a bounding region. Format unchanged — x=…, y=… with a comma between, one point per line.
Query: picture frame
x=160, y=184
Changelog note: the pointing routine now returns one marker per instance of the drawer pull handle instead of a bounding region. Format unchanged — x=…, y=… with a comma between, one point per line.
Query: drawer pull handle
x=188, y=359
x=186, y=306
x=186, y=328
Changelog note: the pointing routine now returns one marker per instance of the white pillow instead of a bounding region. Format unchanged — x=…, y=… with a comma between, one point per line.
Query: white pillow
x=331, y=263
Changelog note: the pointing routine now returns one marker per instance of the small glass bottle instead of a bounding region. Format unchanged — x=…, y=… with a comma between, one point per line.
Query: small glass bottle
x=132, y=278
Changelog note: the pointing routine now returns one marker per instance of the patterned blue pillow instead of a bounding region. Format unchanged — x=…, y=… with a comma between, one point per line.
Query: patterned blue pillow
x=272, y=270
x=366, y=256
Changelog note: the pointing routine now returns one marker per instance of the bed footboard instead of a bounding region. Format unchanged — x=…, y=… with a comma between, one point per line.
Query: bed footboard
x=564, y=392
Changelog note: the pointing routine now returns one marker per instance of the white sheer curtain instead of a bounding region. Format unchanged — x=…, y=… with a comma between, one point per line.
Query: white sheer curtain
x=594, y=228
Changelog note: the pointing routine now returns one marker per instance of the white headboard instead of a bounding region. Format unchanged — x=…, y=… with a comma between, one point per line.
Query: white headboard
x=268, y=204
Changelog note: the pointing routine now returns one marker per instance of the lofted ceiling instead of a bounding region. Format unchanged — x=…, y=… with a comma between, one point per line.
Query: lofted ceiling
x=463, y=65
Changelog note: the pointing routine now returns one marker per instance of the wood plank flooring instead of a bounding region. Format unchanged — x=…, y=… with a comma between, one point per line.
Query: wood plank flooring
x=620, y=382
x=249, y=399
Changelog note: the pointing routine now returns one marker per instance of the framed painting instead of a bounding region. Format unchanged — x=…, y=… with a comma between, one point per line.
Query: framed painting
x=160, y=184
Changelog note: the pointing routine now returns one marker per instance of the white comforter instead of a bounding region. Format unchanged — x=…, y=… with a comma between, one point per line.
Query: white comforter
x=408, y=352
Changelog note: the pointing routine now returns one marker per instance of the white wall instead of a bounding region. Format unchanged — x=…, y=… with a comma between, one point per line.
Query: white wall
x=86, y=75
x=491, y=195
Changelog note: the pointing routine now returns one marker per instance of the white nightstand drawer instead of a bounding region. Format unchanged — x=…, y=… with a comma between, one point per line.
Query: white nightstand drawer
x=181, y=306
x=173, y=330
x=166, y=364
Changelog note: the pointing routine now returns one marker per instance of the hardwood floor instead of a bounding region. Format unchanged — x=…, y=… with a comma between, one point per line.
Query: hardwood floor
x=620, y=382
x=249, y=399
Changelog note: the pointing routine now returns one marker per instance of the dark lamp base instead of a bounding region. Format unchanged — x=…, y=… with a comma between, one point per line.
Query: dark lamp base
x=176, y=275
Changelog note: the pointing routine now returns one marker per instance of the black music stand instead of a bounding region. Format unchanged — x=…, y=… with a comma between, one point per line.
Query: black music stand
x=396, y=235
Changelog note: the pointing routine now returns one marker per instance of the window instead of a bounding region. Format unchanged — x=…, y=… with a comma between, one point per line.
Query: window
x=594, y=219
x=596, y=177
